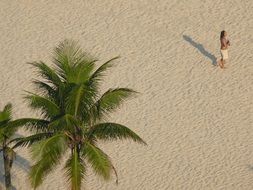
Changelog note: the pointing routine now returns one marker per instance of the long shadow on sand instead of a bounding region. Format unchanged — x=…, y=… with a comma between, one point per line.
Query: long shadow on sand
x=19, y=162
x=201, y=48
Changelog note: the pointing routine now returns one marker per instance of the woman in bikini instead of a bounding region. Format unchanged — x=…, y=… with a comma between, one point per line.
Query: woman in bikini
x=224, y=48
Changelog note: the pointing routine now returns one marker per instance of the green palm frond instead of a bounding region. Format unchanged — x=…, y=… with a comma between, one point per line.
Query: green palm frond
x=99, y=161
x=47, y=73
x=5, y=115
x=75, y=167
x=48, y=153
x=46, y=89
x=66, y=122
x=110, y=100
x=30, y=124
x=75, y=98
x=3, y=123
x=67, y=54
x=73, y=65
x=54, y=93
x=54, y=144
x=30, y=140
x=113, y=131
x=114, y=97
x=81, y=72
x=37, y=172
x=96, y=77
x=61, y=59
x=8, y=110
x=5, y=118
x=7, y=132
x=79, y=100
x=48, y=108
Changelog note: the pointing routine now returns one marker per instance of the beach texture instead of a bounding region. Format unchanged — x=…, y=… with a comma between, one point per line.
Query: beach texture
x=196, y=118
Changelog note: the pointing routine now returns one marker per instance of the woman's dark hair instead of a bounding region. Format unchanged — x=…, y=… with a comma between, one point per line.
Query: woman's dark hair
x=222, y=34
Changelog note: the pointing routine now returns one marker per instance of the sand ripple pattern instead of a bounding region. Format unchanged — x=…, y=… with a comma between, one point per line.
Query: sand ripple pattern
x=196, y=118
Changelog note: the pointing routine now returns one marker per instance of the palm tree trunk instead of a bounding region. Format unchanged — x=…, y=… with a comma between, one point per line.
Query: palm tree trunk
x=7, y=168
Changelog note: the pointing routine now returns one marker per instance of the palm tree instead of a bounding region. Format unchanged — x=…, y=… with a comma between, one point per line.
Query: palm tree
x=6, y=133
x=8, y=128
x=74, y=116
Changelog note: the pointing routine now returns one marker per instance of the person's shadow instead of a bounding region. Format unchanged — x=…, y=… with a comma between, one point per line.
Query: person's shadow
x=201, y=49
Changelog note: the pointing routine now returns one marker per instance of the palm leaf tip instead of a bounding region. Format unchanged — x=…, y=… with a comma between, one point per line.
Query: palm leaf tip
x=75, y=167
x=30, y=124
x=116, y=174
x=48, y=153
x=8, y=107
x=6, y=114
x=47, y=72
x=30, y=140
x=47, y=106
x=99, y=161
x=112, y=131
x=110, y=101
x=105, y=66
x=99, y=73
x=69, y=52
x=116, y=96
x=37, y=175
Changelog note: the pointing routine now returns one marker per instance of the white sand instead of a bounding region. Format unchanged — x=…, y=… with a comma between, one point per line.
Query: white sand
x=196, y=118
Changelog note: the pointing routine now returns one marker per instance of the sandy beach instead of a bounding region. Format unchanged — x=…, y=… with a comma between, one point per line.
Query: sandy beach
x=196, y=118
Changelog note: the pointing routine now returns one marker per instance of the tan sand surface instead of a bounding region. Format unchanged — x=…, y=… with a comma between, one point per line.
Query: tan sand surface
x=196, y=118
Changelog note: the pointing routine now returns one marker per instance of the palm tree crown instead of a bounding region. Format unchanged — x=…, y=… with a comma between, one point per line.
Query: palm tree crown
x=73, y=116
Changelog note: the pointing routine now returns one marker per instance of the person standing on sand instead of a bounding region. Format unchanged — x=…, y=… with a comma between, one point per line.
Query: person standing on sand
x=224, y=48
